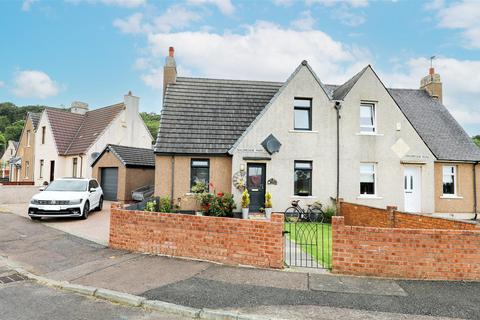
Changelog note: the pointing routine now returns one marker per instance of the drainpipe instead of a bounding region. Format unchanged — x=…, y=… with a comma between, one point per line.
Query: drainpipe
x=81, y=166
x=173, y=181
x=338, y=107
x=475, y=189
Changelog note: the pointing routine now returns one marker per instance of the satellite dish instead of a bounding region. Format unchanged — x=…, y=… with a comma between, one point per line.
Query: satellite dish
x=94, y=156
x=271, y=144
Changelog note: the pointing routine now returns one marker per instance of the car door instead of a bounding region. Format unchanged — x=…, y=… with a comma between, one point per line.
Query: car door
x=95, y=195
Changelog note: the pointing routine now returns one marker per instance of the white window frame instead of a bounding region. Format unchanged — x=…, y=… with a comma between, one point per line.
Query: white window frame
x=42, y=164
x=374, y=172
x=454, y=174
x=374, y=114
x=74, y=167
x=27, y=168
x=28, y=138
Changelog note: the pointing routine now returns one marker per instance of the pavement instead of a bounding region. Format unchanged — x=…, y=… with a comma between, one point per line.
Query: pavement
x=60, y=256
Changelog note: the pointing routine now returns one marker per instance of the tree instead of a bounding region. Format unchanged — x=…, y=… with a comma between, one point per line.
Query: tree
x=3, y=143
x=152, y=121
x=476, y=139
x=13, y=131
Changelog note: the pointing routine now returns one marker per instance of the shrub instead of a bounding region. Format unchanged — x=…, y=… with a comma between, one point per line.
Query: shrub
x=268, y=200
x=245, y=199
x=161, y=204
x=199, y=187
x=329, y=213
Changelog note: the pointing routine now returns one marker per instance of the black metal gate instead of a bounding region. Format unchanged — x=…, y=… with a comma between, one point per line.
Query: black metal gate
x=308, y=244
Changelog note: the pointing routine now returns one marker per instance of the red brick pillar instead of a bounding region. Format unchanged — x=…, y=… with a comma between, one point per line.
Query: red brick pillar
x=391, y=216
x=339, y=207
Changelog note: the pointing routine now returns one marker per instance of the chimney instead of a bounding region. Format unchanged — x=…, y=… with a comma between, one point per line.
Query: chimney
x=79, y=107
x=169, y=70
x=129, y=117
x=432, y=84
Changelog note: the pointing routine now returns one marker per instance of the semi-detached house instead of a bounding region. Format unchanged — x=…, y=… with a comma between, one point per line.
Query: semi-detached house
x=303, y=139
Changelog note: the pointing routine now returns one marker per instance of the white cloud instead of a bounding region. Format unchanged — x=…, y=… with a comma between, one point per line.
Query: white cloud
x=460, y=78
x=264, y=51
x=174, y=18
x=305, y=22
x=225, y=6
x=2, y=84
x=125, y=3
x=463, y=16
x=351, y=3
x=27, y=4
x=131, y=24
x=347, y=17
x=34, y=84
x=283, y=3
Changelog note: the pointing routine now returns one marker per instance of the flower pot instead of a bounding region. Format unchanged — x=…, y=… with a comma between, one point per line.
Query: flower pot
x=244, y=213
x=268, y=213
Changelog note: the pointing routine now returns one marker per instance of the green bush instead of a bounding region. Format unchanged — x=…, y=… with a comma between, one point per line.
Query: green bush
x=161, y=204
x=329, y=213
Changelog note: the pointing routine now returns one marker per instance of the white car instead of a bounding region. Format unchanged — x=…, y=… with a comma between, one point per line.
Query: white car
x=67, y=197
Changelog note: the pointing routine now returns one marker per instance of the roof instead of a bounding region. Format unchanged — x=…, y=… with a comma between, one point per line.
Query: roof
x=35, y=117
x=130, y=156
x=208, y=116
x=74, y=133
x=435, y=125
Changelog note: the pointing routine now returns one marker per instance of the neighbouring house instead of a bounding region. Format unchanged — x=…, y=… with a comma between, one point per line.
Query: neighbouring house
x=22, y=164
x=121, y=169
x=303, y=139
x=67, y=142
x=6, y=158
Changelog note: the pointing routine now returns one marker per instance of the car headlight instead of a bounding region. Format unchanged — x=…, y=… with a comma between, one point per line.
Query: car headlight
x=34, y=201
x=77, y=201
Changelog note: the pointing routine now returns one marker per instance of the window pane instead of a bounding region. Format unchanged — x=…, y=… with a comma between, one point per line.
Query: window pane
x=302, y=119
x=199, y=175
x=367, y=188
x=367, y=168
x=303, y=165
x=367, y=178
x=367, y=121
x=199, y=163
x=255, y=177
x=302, y=103
x=303, y=182
x=448, y=188
x=448, y=170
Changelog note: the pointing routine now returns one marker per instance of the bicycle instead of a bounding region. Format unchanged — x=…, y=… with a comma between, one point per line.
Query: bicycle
x=314, y=212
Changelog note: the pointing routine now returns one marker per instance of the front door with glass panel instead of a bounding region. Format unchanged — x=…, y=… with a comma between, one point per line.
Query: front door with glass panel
x=256, y=185
x=412, y=184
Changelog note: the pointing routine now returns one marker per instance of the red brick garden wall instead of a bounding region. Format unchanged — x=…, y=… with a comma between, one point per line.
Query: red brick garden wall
x=359, y=215
x=405, y=253
x=231, y=241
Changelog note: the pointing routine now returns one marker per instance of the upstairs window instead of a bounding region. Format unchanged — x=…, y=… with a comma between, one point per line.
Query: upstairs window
x=43, y=134
x=28, y=138
x=367, y=118
x=27, y=169
x=303, y=178
x=199, y=172
x=367, y=179
x=449, y=180
x=42, y=162
x=302, y=114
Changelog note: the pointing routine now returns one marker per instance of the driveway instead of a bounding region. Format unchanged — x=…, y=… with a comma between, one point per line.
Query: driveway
x=95, y=228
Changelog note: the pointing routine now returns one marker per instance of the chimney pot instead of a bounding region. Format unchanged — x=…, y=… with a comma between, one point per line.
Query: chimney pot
x=171, y=51
x=129, y=92
x=431, y=71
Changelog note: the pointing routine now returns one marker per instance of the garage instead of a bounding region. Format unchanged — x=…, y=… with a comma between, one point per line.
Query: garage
x=122, y=169
x=109, y=183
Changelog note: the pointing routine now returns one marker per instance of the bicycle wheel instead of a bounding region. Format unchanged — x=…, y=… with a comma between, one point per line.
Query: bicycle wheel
x=292, y=214
x=315, y=215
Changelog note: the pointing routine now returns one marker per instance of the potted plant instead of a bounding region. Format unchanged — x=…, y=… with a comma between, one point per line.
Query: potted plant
x=245, y=204
x=268, y=205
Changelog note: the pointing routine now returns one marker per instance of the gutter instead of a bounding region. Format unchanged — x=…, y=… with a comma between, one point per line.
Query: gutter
x=173, y=181
x=338, y=107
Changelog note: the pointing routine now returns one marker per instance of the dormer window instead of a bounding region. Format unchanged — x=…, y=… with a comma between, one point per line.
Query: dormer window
x=367, y=118
x=302, y=114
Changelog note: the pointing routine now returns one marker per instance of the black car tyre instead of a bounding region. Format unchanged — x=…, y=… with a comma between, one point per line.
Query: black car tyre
x=86, y=210
x=100, y=204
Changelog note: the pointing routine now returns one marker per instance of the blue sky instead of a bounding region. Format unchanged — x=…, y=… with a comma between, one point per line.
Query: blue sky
x=55, y=52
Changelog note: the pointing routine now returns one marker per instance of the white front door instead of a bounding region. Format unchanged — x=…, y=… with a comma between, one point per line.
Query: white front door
x=412, y=184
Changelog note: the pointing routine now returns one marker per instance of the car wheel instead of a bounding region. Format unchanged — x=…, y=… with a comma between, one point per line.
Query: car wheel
x=35, y=218
x=100, y=204
x=86, y=210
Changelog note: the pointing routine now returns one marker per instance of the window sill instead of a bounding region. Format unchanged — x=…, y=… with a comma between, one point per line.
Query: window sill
x=369, y=134
x=446, y=196
x=372, y=197
x=303, y=131
x=304, y=197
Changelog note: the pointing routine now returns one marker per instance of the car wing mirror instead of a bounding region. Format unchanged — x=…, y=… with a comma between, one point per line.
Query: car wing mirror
x=93, y=189
x=41, y=188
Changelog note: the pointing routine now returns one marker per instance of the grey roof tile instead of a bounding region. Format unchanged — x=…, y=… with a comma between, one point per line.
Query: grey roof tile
x=131, y=156
x=35, y=117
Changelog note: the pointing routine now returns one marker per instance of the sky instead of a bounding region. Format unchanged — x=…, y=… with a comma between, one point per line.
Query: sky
x=95, y=51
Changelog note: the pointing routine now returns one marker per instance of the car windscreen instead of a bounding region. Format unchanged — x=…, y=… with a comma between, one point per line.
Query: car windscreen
x=67, y=185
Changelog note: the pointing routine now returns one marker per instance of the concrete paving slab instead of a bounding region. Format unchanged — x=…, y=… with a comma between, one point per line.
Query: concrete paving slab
x=143, y=273
x=251, y=276
x=355, y=285
x=309, y=312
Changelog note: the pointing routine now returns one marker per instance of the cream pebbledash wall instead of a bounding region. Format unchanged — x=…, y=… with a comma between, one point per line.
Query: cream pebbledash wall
x=319, y=146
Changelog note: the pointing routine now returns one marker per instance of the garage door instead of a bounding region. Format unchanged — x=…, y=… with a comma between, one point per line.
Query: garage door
x=109, y=183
